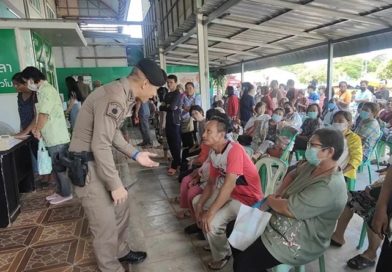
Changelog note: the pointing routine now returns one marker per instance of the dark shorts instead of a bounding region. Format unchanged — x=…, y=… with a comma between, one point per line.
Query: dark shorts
x=363, y=205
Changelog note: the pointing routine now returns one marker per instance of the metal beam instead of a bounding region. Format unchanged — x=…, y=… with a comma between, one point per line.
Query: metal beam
x=330, y=69
x=261, y=27
x=218, y=12
x=220, y=50
x=241, y=42
x=324, y=11
x=181, y=63
x=202, y=49
x=190, y=60
x=212, y=59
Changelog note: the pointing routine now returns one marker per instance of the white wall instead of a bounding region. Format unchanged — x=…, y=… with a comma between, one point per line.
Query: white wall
x=9, y=110
x=67, y=56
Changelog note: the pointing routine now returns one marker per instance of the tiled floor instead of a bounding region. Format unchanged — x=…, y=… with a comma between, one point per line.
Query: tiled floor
x=56, y=238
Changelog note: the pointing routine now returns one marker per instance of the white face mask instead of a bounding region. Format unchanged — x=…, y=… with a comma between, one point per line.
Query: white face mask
x=340, y=126
x=32, y=86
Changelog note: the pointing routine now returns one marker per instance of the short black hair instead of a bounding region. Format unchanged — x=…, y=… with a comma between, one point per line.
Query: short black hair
x=278, y=109
x=314, y=105
x=373, y=107
x=346, y=114
x=211, y=113
x=196, y=108
x=331, y=138
x=260, y=104
x=18, y=78
x=312, y=87
x=224, y=124
x=230, y=90
x=33, y=73
x=174, y=77
x=190, y=83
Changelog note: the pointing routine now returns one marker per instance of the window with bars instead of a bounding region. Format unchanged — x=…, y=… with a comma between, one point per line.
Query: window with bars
x=50, y=13
x=36, y=4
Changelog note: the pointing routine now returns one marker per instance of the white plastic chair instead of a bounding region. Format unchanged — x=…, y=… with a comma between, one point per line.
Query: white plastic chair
x=275, y=169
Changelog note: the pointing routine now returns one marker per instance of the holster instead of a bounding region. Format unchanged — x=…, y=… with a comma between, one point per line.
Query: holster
x=76, y=163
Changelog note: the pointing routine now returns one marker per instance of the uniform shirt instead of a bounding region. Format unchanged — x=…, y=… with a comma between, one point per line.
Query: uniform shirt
x=55, y=131
x=97, y=129
x=316, y=203
x=234, y=160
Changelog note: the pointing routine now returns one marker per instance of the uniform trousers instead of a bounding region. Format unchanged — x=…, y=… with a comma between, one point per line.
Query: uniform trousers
x=173, y=135
x=108, y=223
x=219, y=245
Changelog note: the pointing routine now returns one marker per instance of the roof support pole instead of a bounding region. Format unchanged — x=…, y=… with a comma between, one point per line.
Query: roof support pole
x=162, y=58
x=242, y=72
x=330, y=70
x=202, y=48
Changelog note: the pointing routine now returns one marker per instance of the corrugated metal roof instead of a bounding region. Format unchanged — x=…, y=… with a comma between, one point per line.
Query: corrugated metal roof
x=266, y=30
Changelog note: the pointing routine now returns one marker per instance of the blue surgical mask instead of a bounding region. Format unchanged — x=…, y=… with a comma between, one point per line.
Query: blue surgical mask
x=331, y=106
x=276, y=117
x=364, y=115
x=312, y=114
x=311, y=155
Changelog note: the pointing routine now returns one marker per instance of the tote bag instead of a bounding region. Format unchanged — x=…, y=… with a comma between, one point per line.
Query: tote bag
x=43, y=159
x=249, y=225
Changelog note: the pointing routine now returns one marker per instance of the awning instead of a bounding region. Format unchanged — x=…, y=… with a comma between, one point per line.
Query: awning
x=56, y=32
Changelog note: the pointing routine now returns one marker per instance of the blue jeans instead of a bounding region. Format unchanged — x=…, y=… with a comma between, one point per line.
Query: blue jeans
x=64, y=187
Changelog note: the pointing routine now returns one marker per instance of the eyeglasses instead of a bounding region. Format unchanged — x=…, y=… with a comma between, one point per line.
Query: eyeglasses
x=309, y=144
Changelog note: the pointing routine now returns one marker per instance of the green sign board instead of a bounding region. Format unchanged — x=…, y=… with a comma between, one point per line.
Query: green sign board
x=9, y=61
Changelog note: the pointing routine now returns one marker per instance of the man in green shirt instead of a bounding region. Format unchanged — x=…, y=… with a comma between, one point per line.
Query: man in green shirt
x=52, y=127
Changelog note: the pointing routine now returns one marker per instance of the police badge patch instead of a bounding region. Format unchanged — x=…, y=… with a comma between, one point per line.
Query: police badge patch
x=114, y=110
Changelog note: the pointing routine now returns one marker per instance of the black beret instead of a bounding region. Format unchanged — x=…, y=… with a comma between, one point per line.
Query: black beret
x=152, y=71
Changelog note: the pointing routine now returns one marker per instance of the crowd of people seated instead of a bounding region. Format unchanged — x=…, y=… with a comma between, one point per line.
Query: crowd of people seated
x=333, y=136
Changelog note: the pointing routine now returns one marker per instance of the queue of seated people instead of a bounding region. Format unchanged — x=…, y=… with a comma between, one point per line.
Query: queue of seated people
x=221, y=175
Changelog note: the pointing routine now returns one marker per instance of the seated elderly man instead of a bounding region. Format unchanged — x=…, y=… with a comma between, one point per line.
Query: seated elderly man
x=233, y=180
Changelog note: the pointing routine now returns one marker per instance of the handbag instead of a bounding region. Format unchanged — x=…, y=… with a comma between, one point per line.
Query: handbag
x=249, y=226
x=44, y=161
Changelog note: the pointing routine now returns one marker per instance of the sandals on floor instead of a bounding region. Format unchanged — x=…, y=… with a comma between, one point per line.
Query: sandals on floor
x=183, y=214
x=218, y=265
x=335, y=244
x=359, y=262
x=171, y=172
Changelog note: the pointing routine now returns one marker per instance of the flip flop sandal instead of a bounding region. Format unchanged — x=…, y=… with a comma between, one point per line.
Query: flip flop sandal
x=219, y=264
x=335, y=244
x=183, y=214
x=207, y=248
x=359, y=262
x=174, y=200
x=171, y=172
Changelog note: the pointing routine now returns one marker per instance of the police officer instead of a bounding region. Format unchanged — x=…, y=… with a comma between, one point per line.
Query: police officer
x=96, y=131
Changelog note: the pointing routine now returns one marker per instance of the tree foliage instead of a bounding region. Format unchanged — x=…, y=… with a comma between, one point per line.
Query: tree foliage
x=385, y=71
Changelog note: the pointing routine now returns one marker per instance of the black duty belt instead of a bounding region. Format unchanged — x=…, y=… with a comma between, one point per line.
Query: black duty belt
x=84, y=155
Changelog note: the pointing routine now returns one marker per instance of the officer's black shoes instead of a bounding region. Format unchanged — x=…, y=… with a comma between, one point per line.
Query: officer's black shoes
x=134, y=257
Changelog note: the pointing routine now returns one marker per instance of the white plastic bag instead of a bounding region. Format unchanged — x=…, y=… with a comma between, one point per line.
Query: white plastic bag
x=43, y=159
x=249, y=225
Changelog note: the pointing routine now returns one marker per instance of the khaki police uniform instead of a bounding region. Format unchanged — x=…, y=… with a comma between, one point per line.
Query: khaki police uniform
x=97, y=130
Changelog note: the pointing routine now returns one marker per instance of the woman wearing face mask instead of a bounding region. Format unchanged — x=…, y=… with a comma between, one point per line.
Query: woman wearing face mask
x=268, y=132
x=304, y=209
x=329, y=112
x=291, y=117
x=369, y=128
x=309, y=126
x=342, y=121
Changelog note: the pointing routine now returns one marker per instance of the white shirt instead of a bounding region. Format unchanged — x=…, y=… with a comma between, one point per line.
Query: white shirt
x=253, y=119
